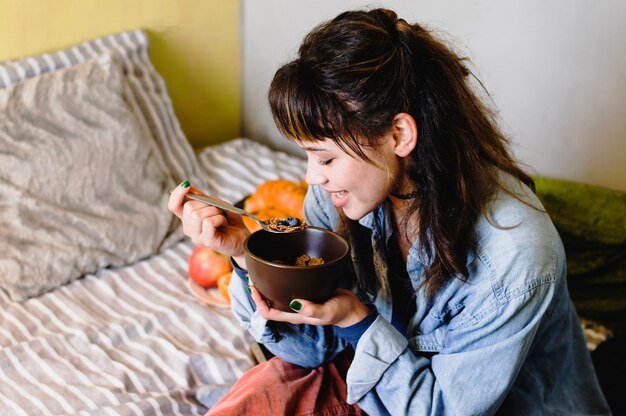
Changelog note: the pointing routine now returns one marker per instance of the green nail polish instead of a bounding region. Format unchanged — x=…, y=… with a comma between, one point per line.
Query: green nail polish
x=249, y=290
x=295, y=305
x=185, y=184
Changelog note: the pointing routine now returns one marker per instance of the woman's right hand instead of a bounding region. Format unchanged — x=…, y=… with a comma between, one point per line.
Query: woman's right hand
x=207, y=225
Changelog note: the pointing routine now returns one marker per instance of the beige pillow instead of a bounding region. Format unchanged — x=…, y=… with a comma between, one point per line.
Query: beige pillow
x=147, y=93
x=81, y=185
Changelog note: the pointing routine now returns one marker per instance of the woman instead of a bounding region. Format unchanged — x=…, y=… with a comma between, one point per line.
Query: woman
x=459, y=301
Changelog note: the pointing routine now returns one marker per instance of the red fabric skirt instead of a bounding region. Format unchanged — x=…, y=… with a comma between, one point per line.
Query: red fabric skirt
x=277, y=387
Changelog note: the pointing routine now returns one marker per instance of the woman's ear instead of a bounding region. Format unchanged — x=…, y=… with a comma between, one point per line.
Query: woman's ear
x=404, y=131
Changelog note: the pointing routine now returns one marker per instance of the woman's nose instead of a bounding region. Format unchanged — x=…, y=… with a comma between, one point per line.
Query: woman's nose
x=314, y=176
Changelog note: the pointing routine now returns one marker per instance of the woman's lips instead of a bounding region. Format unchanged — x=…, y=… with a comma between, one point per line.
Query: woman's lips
x=339, y=198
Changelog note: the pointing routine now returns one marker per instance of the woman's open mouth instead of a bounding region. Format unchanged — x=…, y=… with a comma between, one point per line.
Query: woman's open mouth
x=339, y=198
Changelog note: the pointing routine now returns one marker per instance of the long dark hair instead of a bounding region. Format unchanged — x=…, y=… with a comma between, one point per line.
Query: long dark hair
x=354, y=74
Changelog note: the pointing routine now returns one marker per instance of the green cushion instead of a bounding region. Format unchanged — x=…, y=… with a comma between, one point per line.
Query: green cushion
x=588, y=213
x=592, y=223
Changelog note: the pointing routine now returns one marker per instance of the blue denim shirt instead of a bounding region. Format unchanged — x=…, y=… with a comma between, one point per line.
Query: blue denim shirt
x=506, y=341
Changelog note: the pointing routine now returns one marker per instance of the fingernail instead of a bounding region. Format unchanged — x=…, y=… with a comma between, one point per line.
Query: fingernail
x=249, y=290
x=295, y=305
x=185, y=184
x=247, y=277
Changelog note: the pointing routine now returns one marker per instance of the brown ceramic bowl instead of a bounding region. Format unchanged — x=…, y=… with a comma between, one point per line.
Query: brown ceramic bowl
x=280, y=283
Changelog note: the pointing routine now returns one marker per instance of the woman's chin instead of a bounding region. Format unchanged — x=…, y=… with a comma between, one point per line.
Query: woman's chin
x=354, y=213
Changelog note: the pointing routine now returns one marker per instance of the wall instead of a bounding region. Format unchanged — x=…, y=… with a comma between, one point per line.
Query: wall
x=195, y=45
x=555, y=70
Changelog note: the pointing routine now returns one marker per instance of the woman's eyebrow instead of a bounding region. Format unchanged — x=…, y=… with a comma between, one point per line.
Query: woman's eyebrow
x=314, y=149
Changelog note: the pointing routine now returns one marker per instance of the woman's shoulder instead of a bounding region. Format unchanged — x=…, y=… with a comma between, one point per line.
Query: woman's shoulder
x=516, y=239
x=517, y=254
x=319, y=210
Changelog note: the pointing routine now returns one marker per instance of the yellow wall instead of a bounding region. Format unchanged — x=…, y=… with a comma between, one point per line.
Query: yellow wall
x=195, y=46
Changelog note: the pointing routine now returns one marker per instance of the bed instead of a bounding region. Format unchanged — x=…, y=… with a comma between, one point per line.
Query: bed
x=96, y=312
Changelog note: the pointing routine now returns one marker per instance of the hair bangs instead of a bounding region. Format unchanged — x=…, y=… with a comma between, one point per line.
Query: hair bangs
x=304, y=112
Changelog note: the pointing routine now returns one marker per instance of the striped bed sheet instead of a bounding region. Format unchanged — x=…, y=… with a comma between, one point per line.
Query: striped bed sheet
x=134, y=340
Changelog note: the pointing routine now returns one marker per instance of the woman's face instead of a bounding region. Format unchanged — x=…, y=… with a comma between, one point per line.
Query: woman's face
x=355, y=185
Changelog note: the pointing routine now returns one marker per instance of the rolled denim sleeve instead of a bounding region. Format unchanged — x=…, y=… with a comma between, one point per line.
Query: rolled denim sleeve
x=244, y=308
x=304, y=345
x=471, y=374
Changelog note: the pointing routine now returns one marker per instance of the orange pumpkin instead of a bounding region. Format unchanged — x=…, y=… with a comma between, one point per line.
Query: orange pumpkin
x=281, y=194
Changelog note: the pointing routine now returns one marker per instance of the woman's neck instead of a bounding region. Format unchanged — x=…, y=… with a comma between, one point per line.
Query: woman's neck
x=406, y=226
x=399, y=206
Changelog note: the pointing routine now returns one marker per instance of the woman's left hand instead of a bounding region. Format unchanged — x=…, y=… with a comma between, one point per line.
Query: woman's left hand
x=342, y=309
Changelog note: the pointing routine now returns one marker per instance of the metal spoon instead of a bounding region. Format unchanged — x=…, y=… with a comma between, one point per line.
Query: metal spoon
x=228, y=207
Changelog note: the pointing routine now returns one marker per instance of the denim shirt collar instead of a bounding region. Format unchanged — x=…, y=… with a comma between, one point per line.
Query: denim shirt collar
x=379, y=221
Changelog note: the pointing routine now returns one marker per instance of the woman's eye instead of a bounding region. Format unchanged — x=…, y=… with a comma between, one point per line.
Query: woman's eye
x=325, y=162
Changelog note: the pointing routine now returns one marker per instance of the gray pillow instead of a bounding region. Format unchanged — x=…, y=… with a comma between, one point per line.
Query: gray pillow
x=81, y=181
x=146, y=93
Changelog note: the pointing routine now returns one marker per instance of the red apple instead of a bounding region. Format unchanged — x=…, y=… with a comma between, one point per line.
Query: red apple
x=207, y=265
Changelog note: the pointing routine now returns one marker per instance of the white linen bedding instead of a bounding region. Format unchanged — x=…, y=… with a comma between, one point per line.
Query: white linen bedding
x=134, y=340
